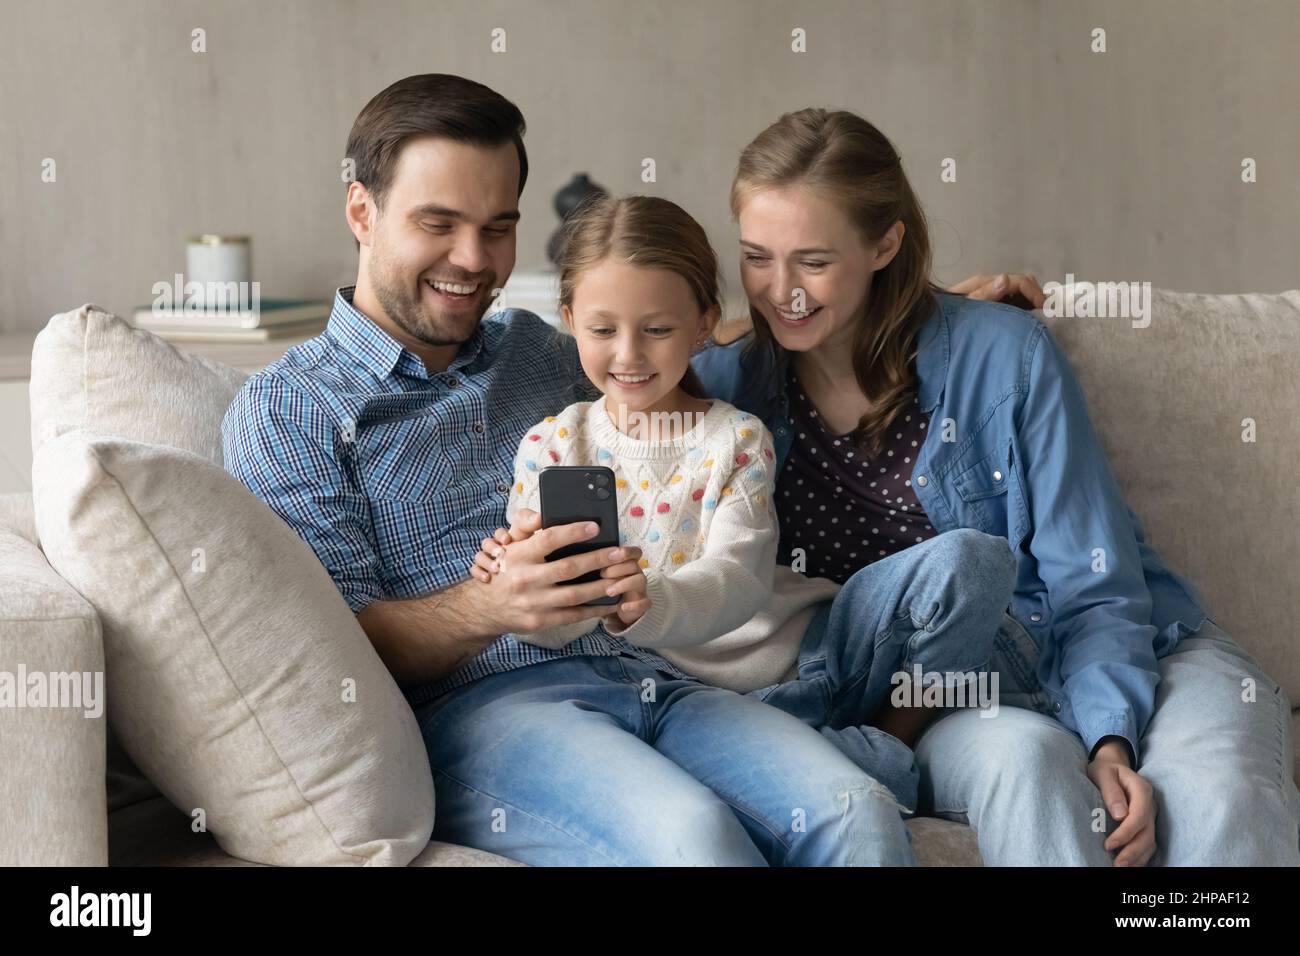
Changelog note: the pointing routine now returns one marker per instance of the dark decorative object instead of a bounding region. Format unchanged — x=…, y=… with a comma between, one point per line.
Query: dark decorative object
x=578, y=190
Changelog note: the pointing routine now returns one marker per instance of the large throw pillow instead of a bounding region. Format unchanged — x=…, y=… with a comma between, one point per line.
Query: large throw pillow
x=237, y=678
x=92, y=370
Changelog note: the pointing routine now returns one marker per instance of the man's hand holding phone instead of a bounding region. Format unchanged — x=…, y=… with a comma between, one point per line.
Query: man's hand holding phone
x=515, y=558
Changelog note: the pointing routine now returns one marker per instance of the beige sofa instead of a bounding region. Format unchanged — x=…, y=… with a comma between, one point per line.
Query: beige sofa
x=1177, y=404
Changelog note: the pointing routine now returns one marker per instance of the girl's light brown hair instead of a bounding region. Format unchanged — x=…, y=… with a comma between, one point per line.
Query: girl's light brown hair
x=846, y=160
x=641, y=231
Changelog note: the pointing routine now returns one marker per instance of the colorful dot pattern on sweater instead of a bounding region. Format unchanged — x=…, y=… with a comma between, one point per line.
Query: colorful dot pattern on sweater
x=670, y=494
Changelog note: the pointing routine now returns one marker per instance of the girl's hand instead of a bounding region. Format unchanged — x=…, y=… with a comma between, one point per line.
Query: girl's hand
x=1129, y=799
x=632, y=588
x=492, y=550
x=488, y=560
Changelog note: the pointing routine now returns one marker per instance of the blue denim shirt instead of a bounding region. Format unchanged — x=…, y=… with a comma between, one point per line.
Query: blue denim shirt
x=1011, y=451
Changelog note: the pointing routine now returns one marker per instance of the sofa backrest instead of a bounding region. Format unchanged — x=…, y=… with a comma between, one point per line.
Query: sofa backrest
x=1199, y=413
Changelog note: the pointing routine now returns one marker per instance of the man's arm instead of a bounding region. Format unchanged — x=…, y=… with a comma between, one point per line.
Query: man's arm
x=287, y=451
x=423, y=639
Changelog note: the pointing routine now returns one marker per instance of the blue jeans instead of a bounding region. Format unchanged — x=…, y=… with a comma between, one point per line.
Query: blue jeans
x=1217, y=752
x=936, y=605
x=607, y=761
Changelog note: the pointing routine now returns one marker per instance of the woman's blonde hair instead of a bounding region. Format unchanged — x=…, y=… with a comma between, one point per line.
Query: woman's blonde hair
x=642, y=231
x=846, y=160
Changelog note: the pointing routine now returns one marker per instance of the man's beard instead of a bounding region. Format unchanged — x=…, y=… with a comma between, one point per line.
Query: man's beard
x=412, y=317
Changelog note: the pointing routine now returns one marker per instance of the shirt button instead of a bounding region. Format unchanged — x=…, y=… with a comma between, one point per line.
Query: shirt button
x=503, y=487
x=451, y=381
x=1035, y=617
x=922, y=480
x=478, y=427
x=1056, y=708
x=781, y=432
x=997, y=476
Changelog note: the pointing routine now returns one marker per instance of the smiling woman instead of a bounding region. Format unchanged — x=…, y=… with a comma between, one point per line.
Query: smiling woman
x=853, y=356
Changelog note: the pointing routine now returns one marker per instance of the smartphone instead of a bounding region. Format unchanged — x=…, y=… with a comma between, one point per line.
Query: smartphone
x=572, y=493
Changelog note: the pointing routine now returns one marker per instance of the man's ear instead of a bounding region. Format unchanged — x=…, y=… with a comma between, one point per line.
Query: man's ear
x=359, y=210
x=888, y=246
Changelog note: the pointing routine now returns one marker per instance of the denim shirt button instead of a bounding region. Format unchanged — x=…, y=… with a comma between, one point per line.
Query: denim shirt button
x=997, y=476
x=1035, y=617
x=1056, y=708
x=922, y=480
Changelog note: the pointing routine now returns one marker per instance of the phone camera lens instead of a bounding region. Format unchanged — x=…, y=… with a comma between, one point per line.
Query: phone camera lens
x=602, y=493
x=602, y=480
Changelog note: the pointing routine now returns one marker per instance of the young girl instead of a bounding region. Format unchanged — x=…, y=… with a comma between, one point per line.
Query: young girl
x=694, y=478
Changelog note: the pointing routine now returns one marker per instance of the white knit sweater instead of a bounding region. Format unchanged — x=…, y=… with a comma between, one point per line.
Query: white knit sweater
x=700, y=508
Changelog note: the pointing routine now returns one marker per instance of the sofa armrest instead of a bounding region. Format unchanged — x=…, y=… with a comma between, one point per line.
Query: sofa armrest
x=53, y=725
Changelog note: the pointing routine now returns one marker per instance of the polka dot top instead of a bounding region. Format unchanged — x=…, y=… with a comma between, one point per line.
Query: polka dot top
x=842, y=507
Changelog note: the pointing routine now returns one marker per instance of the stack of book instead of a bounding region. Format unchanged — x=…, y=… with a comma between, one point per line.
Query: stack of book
x=273, y=319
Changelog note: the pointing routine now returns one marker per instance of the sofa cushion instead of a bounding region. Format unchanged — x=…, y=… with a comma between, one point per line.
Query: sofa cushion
x=18, y=514
x=92, y=370
x=155, y=833
x=51, y=757
x=1169, y=402
x=238, y=679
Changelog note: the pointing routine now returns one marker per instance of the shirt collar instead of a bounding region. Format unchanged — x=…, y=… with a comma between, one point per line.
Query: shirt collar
x=932, y=355
x=378, y=351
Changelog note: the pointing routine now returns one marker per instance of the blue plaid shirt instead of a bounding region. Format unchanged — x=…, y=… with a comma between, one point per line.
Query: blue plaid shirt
x=394, y=475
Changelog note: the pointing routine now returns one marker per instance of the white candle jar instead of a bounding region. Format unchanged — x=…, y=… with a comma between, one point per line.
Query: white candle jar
x=214, y=261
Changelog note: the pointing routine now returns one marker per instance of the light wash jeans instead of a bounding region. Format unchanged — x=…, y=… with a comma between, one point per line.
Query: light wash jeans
x=1220, y=766
x=937, y=604
x=568, y=763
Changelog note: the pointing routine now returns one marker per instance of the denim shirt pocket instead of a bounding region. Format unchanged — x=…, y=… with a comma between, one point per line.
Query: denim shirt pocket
x=982, y=486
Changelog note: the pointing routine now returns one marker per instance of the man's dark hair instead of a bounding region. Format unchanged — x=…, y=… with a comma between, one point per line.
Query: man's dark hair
x=430, y=104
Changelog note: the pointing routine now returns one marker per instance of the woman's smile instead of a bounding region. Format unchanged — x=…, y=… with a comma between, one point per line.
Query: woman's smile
x=796, y=320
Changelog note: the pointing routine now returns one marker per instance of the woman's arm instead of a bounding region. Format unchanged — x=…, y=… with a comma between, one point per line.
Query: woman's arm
x=1087, y=554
